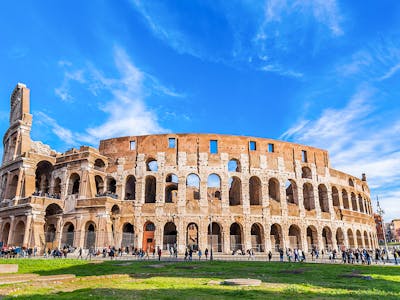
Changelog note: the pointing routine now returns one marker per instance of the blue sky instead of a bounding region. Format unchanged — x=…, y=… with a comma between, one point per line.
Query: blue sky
x=324, y=73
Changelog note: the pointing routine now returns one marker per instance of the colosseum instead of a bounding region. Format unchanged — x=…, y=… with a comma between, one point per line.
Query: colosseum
x=223, y=192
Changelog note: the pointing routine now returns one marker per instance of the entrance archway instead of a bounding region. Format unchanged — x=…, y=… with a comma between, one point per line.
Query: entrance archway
x=192, y=236
x=350, y=237
x=170, y=236
x=90, y=241
x=257, y=238
x=216, y=237
x=68, y=235
x=327, y=238
x=6, y=232
x=366, y=241
x=148, y=237
x=340, y=239
x=276, y=237
x=312, y=238
x=294, y=237
x=236, y=237
x=128, y=235
x=19, y=234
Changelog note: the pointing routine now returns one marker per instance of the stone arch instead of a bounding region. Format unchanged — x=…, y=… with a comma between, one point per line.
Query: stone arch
x=12, y=189
x=294, y=237
x=350, y=238
x=130, y=188
x=171, y=188
x=235, y=191
x=255, y=193
x=53, y=209
x=292, y=192
x=170, y=236
x=213, y=187
x=115, y=210
x=323, y=198
x=351, y=182
x=340, y=238
x=312, y=237
x=215, y=234
x=353, y=202
x=148, y=236
x=360, y=204
x=151, y=165
x=274, y=189
x=19, y=232
x=99, y=164
x=306, y=173
x=111, y=185
x=42, y=177
x=68, y=234
x=5, y=233
x=359, y=239
x=335, y=197
x=257, y=237
x=327, y=238
x=57, y=187
x=74, y=184
x=90, y=235
x=99, y=185
x=234, y=165
x=236, y=236
x=150, y=189
x=192, y=236
x=128, y=235
x=193, y=187
x=308, y=196
x=345, y=198
x=276, y=236
x=366, y=241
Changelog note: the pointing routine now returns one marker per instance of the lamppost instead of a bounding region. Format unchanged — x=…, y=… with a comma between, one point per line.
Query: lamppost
x=381, y=212
x=211, y=239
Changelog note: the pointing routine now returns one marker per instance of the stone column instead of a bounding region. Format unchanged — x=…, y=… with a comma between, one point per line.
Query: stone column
x=28, y=224
x=11, y=234
x=226, y=239
x=246, y=234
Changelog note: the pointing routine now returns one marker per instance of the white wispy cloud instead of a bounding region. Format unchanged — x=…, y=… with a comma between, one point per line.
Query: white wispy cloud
x=281, y=71
x=355, y=143
x=63, y=91
x=126, y=110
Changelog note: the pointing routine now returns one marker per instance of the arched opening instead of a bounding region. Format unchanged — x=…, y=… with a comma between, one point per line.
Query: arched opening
x=257, y=237
x=170, y=236
x=152, y=165
x=192, y=236
x=148, y=237
x=130, y=188
x=366, y=241
x=351, y=183
x=323, y=198
x=359, y=239
x=99, y=164
x=234, y=165
x=291, y=192
x=353, y=202
x=5, y=234
x=345, y=198
x=215, y=237
x=90, y=230
x=340, y=239
x=192, y=187
x=306, y=173
x=99, y=185
x=128, y=235
x=12, y=191
x=335, y=197
x=50, y=234
x=68, y=235
x=327, y=238
x=115, y=210
x=236, y=237
x=360, y=203
x=111, y=185
x=150, y=191
x=57, y=187
x=273, y=189
x=52, y=213
x=171, y=188
x=308, y=196
x=19, y=232
x=276, y=237
x=235, y=191
x=213, y=187
x=255, y=190
x=42, y=177
x=294, y=237
x=73, y=184
x=350, y=237
x=312, y=238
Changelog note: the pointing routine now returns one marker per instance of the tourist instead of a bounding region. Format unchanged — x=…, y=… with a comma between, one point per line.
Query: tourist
x=186, y=254
x=269, y=256
x=395, y=256
x=80, y=253
x=190, y=254
x=199, y=253
x=159, y=253
x=206, y=253
x=281, y=254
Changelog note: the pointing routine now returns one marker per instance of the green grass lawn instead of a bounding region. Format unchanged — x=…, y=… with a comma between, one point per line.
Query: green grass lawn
x=184, y=280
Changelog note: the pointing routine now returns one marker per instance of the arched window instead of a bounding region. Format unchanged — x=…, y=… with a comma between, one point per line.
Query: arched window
x=308, y=196
x=193, y=187
x=255, y=190
x=351, y=183
x=74, y=183
x=323, y=198
x=361, y=203
x=273, y=189
x=335, y=197
x=130, y=188
x=99, y=164
x=99, y=185
x=234, y=165
x=306, y=173
x=42, y=177
x=353, y=201
x=152, y=165
x=235, y=191
x=345, y=198
x=171, y=188
x=111, y=185
x=213, y=187
x=150, y=191
x=291, y=192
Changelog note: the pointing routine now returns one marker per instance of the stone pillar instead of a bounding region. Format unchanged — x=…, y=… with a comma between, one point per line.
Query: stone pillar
x=284, y=206
x=301, y=200
x=28, y=224
x=181, y=238
x=226, y=239
x=267, y=237
x=11, y=233
x=316, y=201
x=58, y=231
x=246, y=234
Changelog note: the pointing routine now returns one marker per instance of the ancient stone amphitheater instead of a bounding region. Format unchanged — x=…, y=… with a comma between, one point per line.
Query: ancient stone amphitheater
x=176, y=191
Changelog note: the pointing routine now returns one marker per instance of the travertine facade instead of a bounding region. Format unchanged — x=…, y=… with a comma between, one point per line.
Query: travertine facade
x=166, y=190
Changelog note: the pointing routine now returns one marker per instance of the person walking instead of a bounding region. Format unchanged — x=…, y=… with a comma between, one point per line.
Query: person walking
x=206, y=253
x=159, y=253
x=199, y=253
x=80, y=253
x=269, y=256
